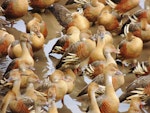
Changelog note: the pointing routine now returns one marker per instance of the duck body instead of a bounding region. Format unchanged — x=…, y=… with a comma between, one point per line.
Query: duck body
x=41, y=4
x=126, y=49
x=37, y=20
x=15, y=8
x=5, y=40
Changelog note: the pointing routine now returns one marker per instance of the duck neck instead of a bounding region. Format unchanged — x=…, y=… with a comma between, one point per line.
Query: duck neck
x=94, y=105
x=16, y=87
x=109, y=86
x=25, y=51
x=109, y=58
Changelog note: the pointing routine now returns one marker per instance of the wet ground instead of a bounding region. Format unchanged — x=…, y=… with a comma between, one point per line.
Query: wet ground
x=45, y=65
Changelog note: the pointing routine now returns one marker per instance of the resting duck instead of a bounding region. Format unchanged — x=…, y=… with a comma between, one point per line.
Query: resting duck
x=14, y=8
x=108, y=19
x=92, y=10
x=11, y=98
x=127, y=50
x=140, y=29
x=36, y=37
x=92, y=88
x=66, y=18
x=72, y=36
x=57, y=78
x=76, y=53
x=109, y=102
x=14, y=49
x=26, y=60
x=37, y=20
x=5, y=40
x=123, y=5
x=40, y=4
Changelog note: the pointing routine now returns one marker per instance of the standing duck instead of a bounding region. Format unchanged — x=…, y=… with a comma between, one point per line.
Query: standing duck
x=92, y=88
x=123, y=5
x=5, y=40
x=37, y=20
x=127, y=50
x=14, y=8
x=109, y=102
x=25, y=60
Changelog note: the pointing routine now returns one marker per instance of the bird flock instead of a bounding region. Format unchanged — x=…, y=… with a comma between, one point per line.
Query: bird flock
x=84, y=53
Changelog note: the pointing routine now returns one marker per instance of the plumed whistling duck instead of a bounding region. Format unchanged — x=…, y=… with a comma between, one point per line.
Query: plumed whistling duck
x=72, y=36
x=5, y=40
x=139, y=83
x=92, y=88
x=14, y=50
x=41, y=4
x=11, y=98
x=14, y=8
x=92, y=10
x=140, y=29
x=135, y=105
x=123, y=5
x=108, y=19
x=61, y=87
x=66, y=18
x=36, y=37
x=117, y=80
x=109, y=102
x=127, y=50
x=76, y=53
x=37, y=20
x=26, y=60
x=51, y=100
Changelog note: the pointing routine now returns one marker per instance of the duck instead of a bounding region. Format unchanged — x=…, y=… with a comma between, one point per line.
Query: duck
x=92, y=88
x=69, y=78
x=13, y=95
x=141, y=82
x=26, y=60
x=5, y=40
x=117, y=80
x=14, y=8
x=123, y=6
x=109, y=19
x=36, y=38
x=92, y=10
x=135, y=105
x=72, y=36
x=66, y=18
x=127, y=51
x=37, y=20
x=51, y=100
x=41, y=4
x=57, y=78
x=76, y=53
x=139, y=29
x=14, y=49
x=109, y=102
